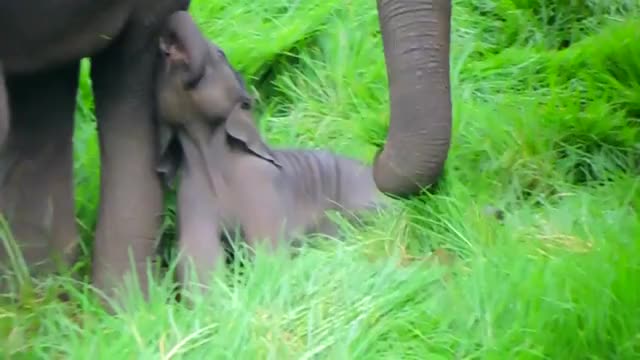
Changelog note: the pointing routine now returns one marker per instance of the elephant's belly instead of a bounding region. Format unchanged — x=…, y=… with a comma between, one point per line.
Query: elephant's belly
x=36, y=35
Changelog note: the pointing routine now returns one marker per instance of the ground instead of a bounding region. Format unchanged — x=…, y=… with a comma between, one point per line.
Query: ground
x=546, y=135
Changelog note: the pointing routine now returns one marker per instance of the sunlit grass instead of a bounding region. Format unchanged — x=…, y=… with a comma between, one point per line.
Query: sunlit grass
x=546, y=120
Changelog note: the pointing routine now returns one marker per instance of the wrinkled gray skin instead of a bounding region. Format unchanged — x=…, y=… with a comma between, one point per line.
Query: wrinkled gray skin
x=229, y=177
x=4, y=108
x=41, y=44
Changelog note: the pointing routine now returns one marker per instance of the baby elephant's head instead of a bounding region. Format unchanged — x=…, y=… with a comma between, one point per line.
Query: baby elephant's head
x=199, y=96
x=194, y=77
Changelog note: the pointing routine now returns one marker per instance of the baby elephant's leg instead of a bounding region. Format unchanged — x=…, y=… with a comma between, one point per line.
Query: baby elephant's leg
x=359, y=196
x=325, y=226
x=199, y=243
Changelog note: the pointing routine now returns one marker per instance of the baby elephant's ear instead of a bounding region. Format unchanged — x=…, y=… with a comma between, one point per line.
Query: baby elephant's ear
x=240, y=126
x=182, y=44
x=169, y=155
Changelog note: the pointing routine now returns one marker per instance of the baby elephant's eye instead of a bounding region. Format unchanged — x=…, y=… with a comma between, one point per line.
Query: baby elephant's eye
x=245, y=104
x=222, y=54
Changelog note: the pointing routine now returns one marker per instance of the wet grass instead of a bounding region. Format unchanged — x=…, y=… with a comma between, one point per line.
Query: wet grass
x=546, y=133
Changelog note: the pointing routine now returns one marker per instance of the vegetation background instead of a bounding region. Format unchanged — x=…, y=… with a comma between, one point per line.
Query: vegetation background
x=546, y=101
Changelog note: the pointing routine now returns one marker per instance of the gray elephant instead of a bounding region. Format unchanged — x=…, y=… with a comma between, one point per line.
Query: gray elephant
x=228, y=176
x=4, y=109
x=40, y=45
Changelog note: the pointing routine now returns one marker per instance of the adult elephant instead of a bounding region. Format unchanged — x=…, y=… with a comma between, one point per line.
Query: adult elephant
x=40, y=45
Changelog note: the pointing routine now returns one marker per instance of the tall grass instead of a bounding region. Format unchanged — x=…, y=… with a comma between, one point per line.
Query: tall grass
x=546, y=129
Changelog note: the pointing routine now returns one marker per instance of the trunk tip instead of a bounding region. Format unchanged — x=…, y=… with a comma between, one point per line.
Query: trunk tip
x=406, y=181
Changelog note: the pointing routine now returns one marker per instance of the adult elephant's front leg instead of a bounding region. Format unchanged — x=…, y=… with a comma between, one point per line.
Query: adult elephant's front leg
x=36, y=165
x=130, y=193
x=4, y=109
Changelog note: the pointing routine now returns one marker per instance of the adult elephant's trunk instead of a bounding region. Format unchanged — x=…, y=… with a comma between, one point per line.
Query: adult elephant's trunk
x=416, y=37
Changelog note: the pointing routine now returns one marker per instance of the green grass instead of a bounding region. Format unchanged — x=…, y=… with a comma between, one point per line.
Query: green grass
x=546, y=127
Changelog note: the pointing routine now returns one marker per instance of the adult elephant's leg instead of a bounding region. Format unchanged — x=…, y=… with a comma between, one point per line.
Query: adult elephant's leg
x=130, y=193
x=4, y=109
x=36, y=166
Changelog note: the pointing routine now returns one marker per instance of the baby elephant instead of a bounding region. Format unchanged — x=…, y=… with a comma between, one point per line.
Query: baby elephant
x=229, y=177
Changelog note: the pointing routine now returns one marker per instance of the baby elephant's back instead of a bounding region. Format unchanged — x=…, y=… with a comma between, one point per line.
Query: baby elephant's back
x=321, y=175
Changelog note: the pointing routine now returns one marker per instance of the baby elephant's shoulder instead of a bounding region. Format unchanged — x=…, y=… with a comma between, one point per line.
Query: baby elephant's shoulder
x=250, y=169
